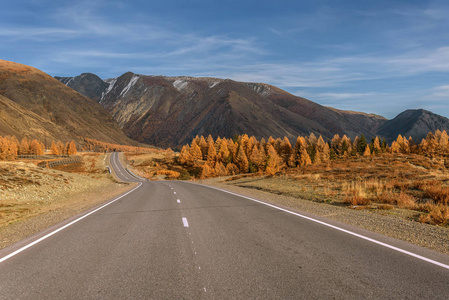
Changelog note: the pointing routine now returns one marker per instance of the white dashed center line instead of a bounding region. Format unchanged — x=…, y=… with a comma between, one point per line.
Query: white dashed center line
x=184, y=221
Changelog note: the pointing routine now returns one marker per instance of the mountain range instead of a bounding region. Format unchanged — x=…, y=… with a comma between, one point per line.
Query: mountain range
x=170, y=111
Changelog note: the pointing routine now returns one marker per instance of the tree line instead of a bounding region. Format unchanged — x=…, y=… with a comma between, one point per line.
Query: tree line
x=11, y=148
x=99, y=146
x=244, y=154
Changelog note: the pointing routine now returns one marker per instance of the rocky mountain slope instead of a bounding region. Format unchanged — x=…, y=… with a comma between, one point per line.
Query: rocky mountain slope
x=87, y=84
x=416, y=123
x=170, y=111
x=35, y=105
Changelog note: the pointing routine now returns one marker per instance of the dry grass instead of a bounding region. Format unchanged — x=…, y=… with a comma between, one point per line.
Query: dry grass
x=438, y=215
x=27, y=190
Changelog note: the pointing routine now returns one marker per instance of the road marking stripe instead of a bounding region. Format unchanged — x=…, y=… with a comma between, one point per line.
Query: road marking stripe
x=335, y=227
x=174, y=193
x=184, y=221
x=179, y=201
x=65, y=226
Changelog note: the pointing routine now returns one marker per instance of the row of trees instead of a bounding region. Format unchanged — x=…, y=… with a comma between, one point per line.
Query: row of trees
x=10, y=147
x=245, y=154
x=99, y=146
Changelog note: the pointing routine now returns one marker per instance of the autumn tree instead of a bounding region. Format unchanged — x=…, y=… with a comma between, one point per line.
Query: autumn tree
x=241, y=160
x=220, y=169
x=61, y=148
x=304, y=158
x=345, y=146
x=207, y=171
x=211, y=153
x=322, y=150
x=24, y=148
x=274, y=161
x=54, y=149
x=335, y=142
x=376, y=148
x=195, y=152
x=256, y=160
x=299, y=146
x=36, y=148
x=223, y=152
x=14, y=146
x=243, y=141
x=232, y=147
x=232, y=169
x=271, y=142
x=367, y=151
x=203, y=146
x=71, y=149
x=286, y=150
x=395, y=148
x=184, y=157
x=361, y=144
x=8, y=148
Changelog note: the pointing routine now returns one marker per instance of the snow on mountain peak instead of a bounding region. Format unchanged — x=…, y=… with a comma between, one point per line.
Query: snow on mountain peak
x=180, y=84
x=131, y=83
x=111, y=83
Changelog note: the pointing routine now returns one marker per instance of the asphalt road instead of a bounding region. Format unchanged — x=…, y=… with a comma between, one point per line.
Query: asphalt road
x=178, y=240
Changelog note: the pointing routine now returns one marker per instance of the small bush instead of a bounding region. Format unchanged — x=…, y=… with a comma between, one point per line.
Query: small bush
x=385, y=206
x=169, y=174
x=425, y=207
x=357, y=197
x=184, y=175
x=438, y=215
x=438, y=193
x=404, y=200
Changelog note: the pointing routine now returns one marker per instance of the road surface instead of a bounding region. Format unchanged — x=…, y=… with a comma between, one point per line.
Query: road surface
x=179, y=240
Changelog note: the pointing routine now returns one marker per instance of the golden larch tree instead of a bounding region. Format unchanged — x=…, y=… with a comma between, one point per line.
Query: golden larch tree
x=54, y=149
x=24, y=148
x=274, y=161
x=367, y=151
x=286, y=150
x=241, y=160
x=211, y=153
x=71, y=150
x=195, y=152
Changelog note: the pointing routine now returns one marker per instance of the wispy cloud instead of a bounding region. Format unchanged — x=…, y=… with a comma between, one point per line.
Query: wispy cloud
x=441, y=92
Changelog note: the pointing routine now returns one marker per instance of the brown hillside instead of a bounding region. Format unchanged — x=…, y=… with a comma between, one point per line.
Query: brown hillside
x=49, y=108
x=20, y=122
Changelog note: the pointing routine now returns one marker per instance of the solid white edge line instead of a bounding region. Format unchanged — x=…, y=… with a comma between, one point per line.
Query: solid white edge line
x=184, y=221
x=334, y=227
x=65, y=226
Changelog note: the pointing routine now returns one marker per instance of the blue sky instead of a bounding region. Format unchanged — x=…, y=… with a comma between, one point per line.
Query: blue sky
x=373, y=56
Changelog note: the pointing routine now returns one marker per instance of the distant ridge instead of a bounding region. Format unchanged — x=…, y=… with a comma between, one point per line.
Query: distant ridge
x=416, y=123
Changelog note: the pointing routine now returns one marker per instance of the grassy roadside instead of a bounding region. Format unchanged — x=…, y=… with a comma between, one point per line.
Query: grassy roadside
x=33, y=198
